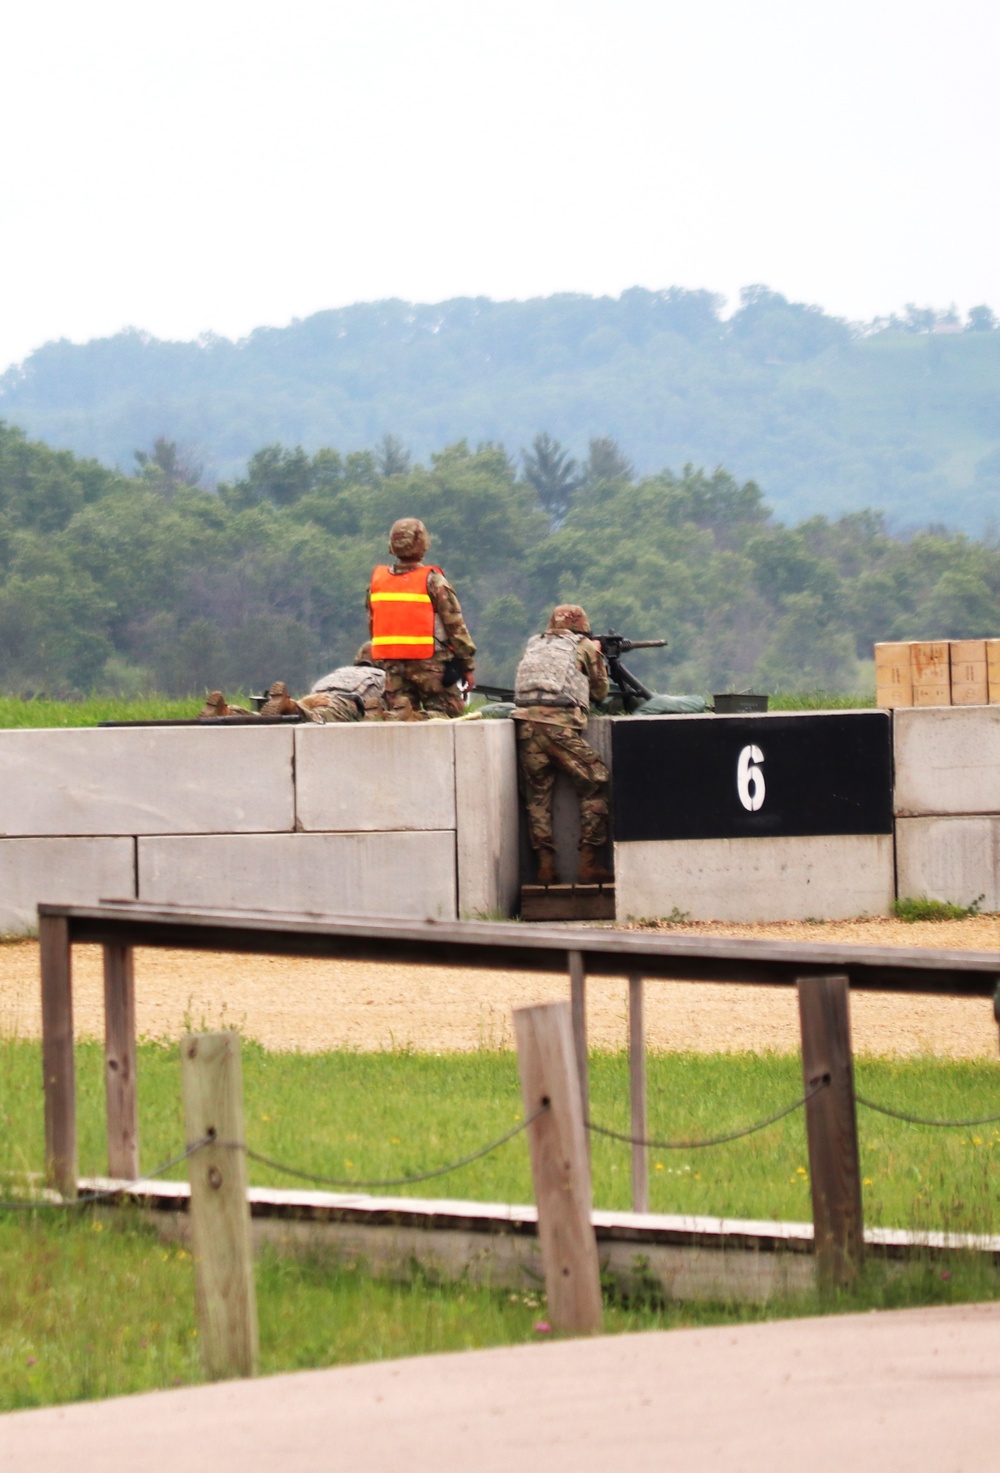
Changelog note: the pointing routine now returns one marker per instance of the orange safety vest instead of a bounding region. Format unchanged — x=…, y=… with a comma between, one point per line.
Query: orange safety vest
x=402, y=614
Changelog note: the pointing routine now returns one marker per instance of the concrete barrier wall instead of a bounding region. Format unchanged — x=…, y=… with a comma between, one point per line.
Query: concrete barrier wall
x=829, y=876
x=950, y=858
x=947, y=804
x=947, y=760
x=423, y=820
x=486, y=819
x=409, y=820
x=371, y=778
x=409, y=873
x=147, y=780
x=78, y=871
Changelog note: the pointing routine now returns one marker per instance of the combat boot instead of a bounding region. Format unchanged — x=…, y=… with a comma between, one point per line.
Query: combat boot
x=214, y=706
x=279, y=702
x=590, y=872
x=546, y=867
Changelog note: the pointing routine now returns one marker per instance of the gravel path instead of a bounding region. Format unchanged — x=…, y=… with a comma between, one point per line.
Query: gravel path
x=310, y=1005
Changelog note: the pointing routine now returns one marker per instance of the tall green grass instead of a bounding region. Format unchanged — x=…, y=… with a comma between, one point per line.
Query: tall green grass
x=362, y=1116
x=17, y=712
x=93, y=1304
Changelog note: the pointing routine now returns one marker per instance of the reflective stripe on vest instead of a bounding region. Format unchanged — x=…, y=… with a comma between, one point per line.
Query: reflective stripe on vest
x=402, y=615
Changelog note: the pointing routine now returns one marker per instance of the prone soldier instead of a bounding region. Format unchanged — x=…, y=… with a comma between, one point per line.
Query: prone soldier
x=418, y=634
x=561, y=673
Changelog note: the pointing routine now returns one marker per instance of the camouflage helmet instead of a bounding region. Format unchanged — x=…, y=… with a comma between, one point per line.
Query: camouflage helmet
x=409, y=539
x=568, y=616
x=364, y=654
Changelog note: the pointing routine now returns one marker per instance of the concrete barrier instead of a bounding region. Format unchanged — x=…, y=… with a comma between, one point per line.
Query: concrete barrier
x=374, y=777
x=146, y=780
x=950, y=858
x=409, y=874
x=947, y=760
x=830, y=876
x=78, y=871
x=486, y=818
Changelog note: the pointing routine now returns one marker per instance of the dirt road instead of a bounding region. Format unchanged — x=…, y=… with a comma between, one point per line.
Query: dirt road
x=289, y=1004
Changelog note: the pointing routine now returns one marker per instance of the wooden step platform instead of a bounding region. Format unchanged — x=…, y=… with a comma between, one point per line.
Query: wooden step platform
x=567, y=902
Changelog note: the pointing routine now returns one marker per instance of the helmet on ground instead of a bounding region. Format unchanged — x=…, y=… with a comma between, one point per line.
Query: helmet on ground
x=409, y=539
x=568, y=616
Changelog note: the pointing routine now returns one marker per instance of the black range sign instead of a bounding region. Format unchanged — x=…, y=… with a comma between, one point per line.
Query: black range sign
x=736, y=777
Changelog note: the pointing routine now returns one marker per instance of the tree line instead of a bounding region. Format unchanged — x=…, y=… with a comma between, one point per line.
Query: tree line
x=150, y=581
x=902, y=413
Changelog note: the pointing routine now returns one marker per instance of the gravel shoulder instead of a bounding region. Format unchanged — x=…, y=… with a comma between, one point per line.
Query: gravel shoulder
x=311, y=1005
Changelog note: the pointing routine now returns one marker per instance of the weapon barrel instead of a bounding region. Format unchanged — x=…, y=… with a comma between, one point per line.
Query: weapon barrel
x=642, y=644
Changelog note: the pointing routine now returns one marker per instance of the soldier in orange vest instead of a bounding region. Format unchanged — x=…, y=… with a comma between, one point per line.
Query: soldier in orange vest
x=418, y=634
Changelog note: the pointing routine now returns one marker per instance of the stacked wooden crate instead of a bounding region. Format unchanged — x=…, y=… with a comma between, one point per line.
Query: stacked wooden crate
x=957, y=672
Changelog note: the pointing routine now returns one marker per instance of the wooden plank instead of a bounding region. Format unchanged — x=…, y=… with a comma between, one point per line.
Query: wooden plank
x=831, y=1128
x=212, y=1083
x=120, y=1095
x=637, y=1093
x=58, y=1074
x=578, y=1010
x=567, y=903
x=893, y=680
x=560, y=1166
x=607, y=953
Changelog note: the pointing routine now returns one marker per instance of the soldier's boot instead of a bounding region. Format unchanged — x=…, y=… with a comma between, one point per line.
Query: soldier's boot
x=546, y=867
x=590, y=872
x=279, y=702
x=215, y=705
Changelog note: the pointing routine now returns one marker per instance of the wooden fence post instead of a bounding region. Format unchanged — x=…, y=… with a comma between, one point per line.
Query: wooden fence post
x=559, y=1166
x=119, y=1063
x=212, y=1081
x=578, y=1004
x=832, y=1129
x=637, y=1093
x=58, y=1076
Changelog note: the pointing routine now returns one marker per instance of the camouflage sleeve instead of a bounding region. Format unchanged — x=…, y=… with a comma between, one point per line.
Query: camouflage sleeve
x=595, y=669
x=449, y=610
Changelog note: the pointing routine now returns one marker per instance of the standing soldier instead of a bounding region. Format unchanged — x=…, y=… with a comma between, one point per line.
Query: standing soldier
x=561, y=672
x=418, y=634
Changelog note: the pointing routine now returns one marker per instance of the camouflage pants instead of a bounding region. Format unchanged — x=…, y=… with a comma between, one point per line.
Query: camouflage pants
x=544, y=750
x=326, y=706
x=419, y=682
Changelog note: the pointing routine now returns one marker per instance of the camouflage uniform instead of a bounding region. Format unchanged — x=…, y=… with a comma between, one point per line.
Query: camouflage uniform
x=417, y=683
x=549, y=740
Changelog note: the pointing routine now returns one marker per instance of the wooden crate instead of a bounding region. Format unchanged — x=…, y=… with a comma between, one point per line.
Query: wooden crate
x=930, y=668
x=993, y=670
x=893, y=681
x=969, y=685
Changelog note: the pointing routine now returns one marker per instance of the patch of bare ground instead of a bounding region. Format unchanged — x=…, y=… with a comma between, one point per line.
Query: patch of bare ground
x=310, y=1005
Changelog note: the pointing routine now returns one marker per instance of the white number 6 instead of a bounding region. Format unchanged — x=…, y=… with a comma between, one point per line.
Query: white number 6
x=750, y=779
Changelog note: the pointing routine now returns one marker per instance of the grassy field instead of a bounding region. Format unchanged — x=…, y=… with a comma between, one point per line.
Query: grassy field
x=368, y=1115
x=93, y=1304
x=16, y=712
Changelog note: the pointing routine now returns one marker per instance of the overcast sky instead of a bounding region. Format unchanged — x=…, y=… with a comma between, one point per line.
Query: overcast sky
x=216, y=166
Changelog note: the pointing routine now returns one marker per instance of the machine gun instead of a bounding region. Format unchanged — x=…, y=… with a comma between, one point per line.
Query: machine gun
x=630, y=688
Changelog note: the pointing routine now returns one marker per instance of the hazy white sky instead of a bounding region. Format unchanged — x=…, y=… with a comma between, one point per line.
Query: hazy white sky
x=216, y=166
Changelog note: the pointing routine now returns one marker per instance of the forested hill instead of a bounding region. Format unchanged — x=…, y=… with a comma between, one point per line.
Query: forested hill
x=903, y=415
x=150, y=582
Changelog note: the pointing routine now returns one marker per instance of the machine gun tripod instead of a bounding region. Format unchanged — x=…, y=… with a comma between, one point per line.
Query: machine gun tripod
x=631, y=690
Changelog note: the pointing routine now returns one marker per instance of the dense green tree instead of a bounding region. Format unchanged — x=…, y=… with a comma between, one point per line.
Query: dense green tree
x=552, y=474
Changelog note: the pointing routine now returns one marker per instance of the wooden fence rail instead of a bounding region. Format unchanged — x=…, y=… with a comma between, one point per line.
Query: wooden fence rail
x=822, y=973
